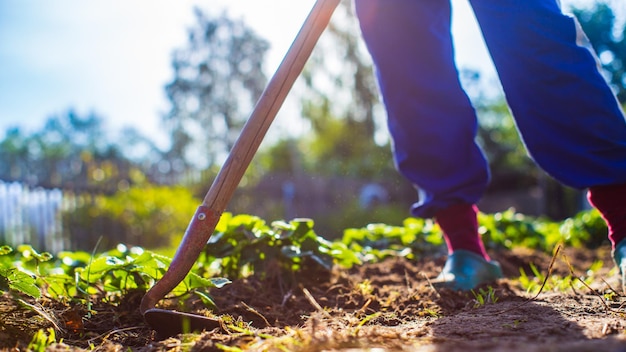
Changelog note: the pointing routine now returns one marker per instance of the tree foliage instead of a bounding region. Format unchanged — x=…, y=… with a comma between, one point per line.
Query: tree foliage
x=608, y=39
x=218, y=77
x=144, y=214
x=69, y=150
x=497, y=133
x=340, y=101
x=510, y=165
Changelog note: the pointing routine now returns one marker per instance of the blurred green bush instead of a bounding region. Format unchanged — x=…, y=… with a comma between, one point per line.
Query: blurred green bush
x=148, y=216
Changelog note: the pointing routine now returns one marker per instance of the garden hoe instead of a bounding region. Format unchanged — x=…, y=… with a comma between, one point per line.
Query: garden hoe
x=168, y=323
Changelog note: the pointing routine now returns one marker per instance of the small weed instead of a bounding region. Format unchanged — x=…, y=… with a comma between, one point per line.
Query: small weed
x=365, y=288
x=365, y=321
x=611, y=296
x=483, y=297
x=225, y=348
x=393, y=296
x=533, y=284
x=557, y=283
x=427, y=312
x=516, y=323
x=42, y=339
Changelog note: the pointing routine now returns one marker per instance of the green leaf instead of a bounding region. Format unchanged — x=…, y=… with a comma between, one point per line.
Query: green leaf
x=196, y=281
x=21, y=282
x=28, y=251
x=206, y=299
x=4, y=250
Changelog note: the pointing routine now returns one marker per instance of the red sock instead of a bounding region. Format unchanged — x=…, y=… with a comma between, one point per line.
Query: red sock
x=460, y=228
x=611, y=203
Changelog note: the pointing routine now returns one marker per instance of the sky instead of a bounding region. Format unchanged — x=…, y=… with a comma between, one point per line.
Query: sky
x=112, y=57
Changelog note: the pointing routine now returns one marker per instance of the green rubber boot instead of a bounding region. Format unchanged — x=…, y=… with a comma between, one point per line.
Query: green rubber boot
x=465, y=270
x=619, y=255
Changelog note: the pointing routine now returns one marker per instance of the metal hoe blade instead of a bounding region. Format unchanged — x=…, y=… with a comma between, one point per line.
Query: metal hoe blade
x=170, y=323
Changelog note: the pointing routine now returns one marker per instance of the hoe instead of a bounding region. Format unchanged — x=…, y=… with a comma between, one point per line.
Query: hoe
x=201, y=227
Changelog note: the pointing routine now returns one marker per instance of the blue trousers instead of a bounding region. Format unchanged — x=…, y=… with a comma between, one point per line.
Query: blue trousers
x=568, y=117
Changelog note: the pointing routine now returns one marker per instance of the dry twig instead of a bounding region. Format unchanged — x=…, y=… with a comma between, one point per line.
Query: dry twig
x=256, y=312
x=314, y=303
x=543, y=284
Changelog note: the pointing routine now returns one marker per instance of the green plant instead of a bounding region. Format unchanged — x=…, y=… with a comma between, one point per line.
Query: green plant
x=538, y=281
x=245, y=244
x=353, y=214
x=516, y=323
x=119, y=271
x=42, y=340
x=364, y=288
x=378, y=241
x=364, y=321
x=77, y=276
x=17, y=278
x=483, y=297
x=509, y=229
x=146, y=215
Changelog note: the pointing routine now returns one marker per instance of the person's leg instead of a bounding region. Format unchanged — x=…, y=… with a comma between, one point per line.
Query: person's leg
x=433, y=125
x=459, y=222
x=610, y=200
x=566, y=112
x=430, y=118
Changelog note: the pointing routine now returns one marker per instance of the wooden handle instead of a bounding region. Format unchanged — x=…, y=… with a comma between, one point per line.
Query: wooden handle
x=207, y=215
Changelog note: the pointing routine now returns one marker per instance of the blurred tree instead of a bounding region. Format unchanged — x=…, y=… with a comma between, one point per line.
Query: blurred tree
x=341, y=104
x=62, y=140
x=608, y=39
x=217, y=79
x=70, y=150
x=511, y=167
x=14, y=154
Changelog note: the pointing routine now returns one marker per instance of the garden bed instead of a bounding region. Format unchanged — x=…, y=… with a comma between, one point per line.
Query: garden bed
x=388, y=305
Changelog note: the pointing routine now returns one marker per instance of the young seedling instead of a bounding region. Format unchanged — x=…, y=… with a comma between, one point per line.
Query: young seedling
x=483, y=297
x=516, y=323
x=42, y=340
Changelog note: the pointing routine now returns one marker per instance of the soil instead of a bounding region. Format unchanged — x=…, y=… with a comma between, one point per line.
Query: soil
x=387, y=306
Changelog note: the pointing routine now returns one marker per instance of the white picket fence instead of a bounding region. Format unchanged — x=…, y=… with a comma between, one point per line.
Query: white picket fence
x=31, y=216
